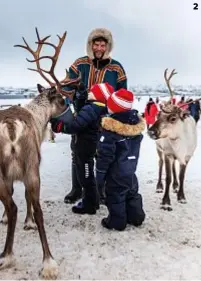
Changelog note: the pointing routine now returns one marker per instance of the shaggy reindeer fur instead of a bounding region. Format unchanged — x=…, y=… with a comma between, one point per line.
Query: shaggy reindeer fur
x=176, y=139
x=21, y=133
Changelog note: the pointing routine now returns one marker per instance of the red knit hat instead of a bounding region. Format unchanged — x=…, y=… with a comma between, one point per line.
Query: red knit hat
x=101, y=92
x=120, y=100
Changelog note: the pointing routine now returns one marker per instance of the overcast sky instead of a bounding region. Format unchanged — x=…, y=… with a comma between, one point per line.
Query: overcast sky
x=149, y=35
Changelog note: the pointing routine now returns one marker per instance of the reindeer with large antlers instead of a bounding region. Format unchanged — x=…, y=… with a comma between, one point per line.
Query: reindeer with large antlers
x=21, y=134
x=176, y=138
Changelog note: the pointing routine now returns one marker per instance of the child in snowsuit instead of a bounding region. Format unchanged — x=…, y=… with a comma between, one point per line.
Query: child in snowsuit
x=117, y=157
x=85, y=126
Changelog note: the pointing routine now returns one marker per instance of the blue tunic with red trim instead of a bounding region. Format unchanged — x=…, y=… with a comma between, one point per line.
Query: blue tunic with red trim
x=94, y=72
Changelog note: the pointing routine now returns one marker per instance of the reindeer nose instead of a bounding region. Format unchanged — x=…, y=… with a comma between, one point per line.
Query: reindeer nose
x=152, y=133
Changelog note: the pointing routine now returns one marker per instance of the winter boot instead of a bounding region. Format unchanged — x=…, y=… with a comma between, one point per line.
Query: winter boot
x=76, y=191
x=105, y=223
x=81, y=209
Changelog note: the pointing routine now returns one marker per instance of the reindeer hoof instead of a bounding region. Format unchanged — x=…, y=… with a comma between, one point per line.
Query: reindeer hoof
x=182, y=201
x=50, y=270
x=7, y=261
x=159, y=187
x=30, y=225
x=159, y=190
x=166, y=207
x=4, y=220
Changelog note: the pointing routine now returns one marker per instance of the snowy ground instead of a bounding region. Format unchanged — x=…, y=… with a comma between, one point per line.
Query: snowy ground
x=167, y=246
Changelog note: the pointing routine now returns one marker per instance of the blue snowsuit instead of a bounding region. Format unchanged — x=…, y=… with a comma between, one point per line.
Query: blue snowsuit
x=117, y=157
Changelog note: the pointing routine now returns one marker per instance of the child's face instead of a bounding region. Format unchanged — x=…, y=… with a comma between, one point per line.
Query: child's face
x=91, y=96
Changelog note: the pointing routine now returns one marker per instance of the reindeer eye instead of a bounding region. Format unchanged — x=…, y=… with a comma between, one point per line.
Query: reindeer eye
x=172, y=119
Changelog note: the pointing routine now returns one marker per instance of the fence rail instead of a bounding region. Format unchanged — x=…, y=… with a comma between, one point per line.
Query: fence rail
x=8, y=105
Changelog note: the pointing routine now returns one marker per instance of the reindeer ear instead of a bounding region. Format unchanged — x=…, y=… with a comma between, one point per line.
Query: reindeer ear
x=52, y=90
x=184, y=114
x=161, y=106
x=52, y=94
x=40, y=88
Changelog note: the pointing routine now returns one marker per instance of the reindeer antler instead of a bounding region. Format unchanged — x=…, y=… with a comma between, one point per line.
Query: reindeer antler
x=36, y=54
x=167, y=80
x=187, y=103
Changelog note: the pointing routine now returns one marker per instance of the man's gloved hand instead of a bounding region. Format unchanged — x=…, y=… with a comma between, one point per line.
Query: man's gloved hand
x=57, y=126
x=81, y=92
x=80, y=97
x=81, y=87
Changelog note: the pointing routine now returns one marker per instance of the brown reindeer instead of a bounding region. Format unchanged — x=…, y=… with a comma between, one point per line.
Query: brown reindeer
x=176, y=138
x=21, y=134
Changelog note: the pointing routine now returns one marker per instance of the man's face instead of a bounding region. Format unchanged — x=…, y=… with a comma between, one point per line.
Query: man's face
x=99, y=48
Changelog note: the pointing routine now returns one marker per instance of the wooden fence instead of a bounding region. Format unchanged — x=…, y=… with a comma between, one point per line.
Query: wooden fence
x=8, y=105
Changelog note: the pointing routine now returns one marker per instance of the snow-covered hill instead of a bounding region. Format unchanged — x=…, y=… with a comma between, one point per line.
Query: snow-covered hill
x=141, y=90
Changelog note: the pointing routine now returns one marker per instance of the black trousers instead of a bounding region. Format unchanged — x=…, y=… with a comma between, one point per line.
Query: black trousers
x=83, y=162
x=76, y=186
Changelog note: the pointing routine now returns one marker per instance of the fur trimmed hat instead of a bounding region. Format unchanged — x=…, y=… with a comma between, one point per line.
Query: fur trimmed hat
x=120, y=101
x=101, y=92
x=97, y=33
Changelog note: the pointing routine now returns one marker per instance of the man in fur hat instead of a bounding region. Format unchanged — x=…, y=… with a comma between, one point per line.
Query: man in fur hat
x=96, y=67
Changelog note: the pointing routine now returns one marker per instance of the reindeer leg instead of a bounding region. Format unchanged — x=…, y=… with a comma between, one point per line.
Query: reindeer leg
x=180, y=195
x=175, y=181
x=29, y=222
x=159, y=186
x=52, y=136
x=6, y=257
x=166, y=204
x=50, y=267
x=4, y=219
